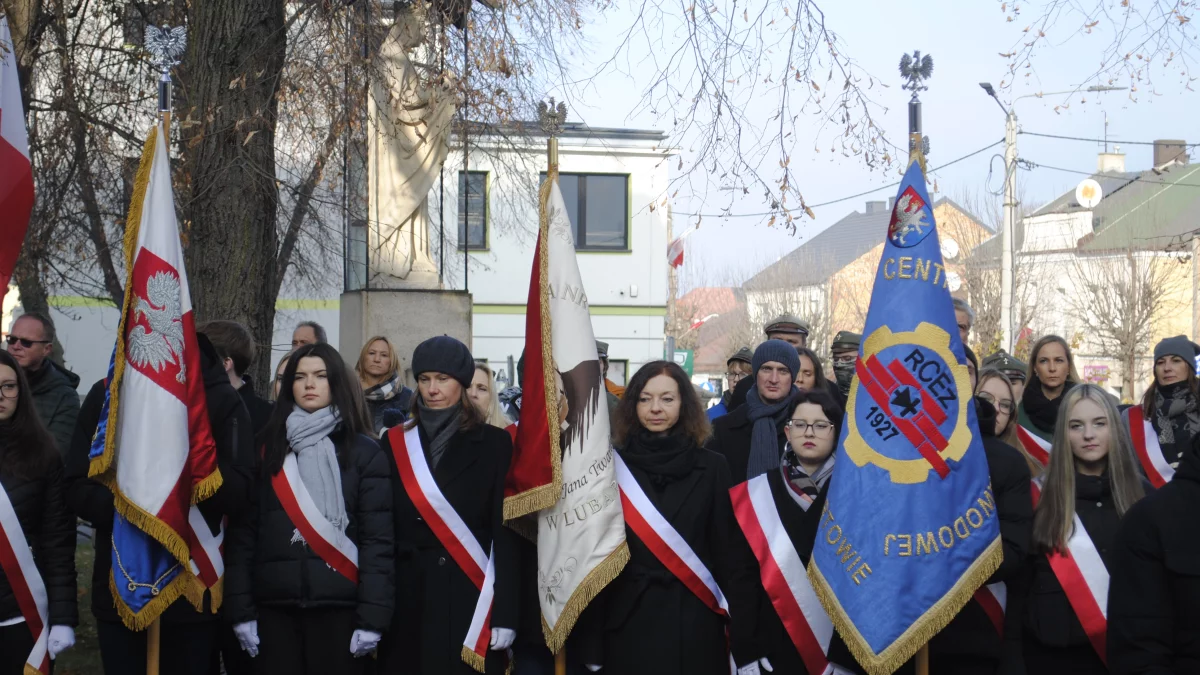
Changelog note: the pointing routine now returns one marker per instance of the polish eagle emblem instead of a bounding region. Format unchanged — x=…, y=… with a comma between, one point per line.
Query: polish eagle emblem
x=163, y=343
x=908, y=218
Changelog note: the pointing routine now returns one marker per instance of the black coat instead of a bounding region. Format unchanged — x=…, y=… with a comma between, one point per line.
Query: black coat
x=1053, y=639
x=435, y=599
x=50, y=532
x=971, y=634
x=653, y=623
x=731, y=439
x=259, y=408
x=1154, y=590
x=266, y=566
x=236, y=459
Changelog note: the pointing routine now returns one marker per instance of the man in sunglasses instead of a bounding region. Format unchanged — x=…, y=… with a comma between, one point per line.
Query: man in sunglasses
x=53, y=387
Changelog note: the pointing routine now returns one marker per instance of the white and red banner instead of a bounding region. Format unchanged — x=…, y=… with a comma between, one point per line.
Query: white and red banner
x=676, y=248
x=154, y=447
x=1037, y=447
x=562, y=460
x=16, y=561
x=326, y=540
x=1149, y=452
x=16, y=171
x=783, y=573
x=452, y=532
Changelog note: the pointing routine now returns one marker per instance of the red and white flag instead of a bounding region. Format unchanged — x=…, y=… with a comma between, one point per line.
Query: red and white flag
x=562, y=466
x=676, y=247
x=16, y=172
x=154, y=447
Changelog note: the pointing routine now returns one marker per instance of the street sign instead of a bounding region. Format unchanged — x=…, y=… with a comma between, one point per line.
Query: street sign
x=684, y=357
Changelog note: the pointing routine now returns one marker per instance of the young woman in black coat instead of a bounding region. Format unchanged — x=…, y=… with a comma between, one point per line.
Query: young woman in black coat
x=1091, y=475
x=653, y=623
x=31, y=476
x=468, y=459
x=1154, y=592
x=1051, y=374
x=295, y=610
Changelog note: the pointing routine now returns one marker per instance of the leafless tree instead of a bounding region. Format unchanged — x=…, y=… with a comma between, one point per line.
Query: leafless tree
x=1118, y=296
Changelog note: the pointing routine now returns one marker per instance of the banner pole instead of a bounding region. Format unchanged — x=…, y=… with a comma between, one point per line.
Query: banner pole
x=560, y=661
x=153, y=639
x=923, y=660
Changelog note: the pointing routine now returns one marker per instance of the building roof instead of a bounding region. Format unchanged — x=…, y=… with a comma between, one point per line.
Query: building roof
x=834, y=248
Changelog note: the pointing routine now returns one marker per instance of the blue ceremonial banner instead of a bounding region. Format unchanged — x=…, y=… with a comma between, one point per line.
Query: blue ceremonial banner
x=909, y=530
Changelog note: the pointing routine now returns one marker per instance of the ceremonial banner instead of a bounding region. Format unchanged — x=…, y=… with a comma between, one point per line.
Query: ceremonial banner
x=909, y=530
x=16, y=172
x=563, y=464
x=153, y=446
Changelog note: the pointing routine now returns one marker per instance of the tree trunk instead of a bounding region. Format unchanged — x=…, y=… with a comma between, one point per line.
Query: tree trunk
x=230, y=77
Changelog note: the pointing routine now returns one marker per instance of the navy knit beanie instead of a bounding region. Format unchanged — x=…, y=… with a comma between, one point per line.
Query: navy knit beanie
x=778, y=351
x=444, y=354
x=1176, y=346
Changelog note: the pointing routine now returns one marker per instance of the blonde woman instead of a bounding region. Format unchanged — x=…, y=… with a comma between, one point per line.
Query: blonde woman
x=378, y=368
x=486, y=397
x=1092, y=480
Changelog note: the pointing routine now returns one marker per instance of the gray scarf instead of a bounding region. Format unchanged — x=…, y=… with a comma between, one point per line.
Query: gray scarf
x=439, y=427
x=308, y=436
x=768, y=419
x=384, y=390
x=809, y=486
x=1177, y=419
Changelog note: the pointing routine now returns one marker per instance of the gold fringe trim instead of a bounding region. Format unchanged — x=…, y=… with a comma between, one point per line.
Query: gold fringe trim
x=148, y=523
x=207, y=486
x=544, y=496
x=30, y=670
x=103, y=463
x=600, y=576
x=195, y=594
x=141, y=620
x=477, y=662
x=923, y=629
x=526, y=526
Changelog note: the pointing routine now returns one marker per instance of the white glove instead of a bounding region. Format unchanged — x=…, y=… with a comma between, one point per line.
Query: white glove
x=61, y=638
x=754, y=668
x=593, y=667
x=363, y=642
x=247, y=635
x=502, y=638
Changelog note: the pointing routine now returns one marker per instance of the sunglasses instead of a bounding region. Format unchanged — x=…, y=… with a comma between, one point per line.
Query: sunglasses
x=25, y=342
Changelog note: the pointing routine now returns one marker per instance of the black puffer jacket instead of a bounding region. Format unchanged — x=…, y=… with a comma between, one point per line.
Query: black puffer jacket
x=93, y=502
x=265, y=566
x=1154, y=592
x=56, y=400
x=50, y=531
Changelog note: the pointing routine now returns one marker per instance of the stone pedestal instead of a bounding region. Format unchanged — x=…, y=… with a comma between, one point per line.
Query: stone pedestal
x=407, y=317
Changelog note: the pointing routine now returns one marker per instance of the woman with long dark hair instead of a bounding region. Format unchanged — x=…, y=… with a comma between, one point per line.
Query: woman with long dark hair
x=37, y=529
x=811, y=375
x=654, y=623
x=1051, y=374
x=448, y=468
x=1167, y=422
x=309, y=569
x=1092, y=480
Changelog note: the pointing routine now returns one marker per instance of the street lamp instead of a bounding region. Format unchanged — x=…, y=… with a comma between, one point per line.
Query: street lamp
x=1010, y=199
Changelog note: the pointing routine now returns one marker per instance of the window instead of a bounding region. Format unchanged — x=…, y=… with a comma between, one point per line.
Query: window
x=598, y=206
x=472, y=209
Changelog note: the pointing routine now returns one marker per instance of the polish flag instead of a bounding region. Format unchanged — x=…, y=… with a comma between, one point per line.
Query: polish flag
x=16, y=172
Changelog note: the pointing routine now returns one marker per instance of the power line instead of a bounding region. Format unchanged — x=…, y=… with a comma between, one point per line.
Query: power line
x=1034, y=165
x=1110, y=141
x=840, y=199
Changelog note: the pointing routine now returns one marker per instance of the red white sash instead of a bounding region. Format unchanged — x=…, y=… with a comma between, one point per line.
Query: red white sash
x=1084, y=579
x=994, y=600
x=332, y=545
x=16, y=560
x=1149, y=452
x=208, y=561
x=452, y=532
x=783, y=574
x=668, y=545
x=1035, y=445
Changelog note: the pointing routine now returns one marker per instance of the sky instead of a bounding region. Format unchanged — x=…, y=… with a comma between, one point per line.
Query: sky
x=966, y=40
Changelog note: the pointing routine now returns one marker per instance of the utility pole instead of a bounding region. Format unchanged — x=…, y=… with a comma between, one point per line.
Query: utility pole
x=1006, y=235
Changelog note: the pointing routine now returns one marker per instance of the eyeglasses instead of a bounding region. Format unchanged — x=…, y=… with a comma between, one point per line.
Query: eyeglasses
x=1005, y=407
x=819, y=429
x=8, y=390
x=25, y=342
x=849, y=357
x=736, y=377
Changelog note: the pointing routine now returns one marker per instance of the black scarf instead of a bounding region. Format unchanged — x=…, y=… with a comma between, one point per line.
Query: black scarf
x=1042, y=411
x=439, y=427
x=664, y=458
x=1176, y=419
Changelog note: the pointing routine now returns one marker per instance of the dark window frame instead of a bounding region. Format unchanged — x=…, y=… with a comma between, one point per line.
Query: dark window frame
x=579, y=229
x=464, y=214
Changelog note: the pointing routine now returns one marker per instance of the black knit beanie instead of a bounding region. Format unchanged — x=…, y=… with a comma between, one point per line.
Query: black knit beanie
x=444, y=354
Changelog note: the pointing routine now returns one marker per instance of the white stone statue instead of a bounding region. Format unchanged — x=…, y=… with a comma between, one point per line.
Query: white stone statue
x=409, y=119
